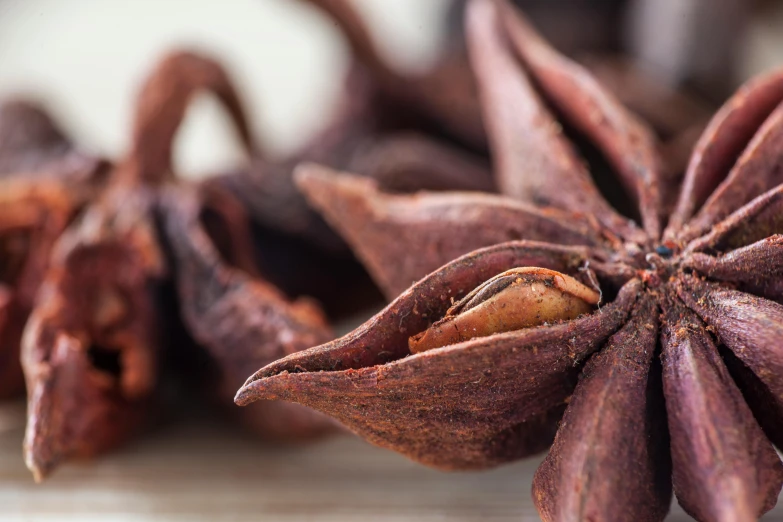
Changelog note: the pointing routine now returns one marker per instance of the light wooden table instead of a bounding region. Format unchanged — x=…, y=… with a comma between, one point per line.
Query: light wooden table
x=197, y=469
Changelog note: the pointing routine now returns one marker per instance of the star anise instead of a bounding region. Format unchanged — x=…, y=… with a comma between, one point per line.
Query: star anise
x=408, y=132
x=105, y=322
x=44, y=182
x=675, y=379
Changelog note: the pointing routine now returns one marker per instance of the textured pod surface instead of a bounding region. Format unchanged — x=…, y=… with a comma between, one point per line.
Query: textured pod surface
x=628, y=144
x=749, y=326
x=717, y=260
x=756, y=171
x=607, y=461
x=101, y=326
x=533, y=159
x=757, y=266
x=479, y=414
x=765, y=406
x=44, y=183
x=384, y=337
x=724, y=467
x=91, y=348
x=32, y=216
x=759, y=219
x=240, y=320
x=76, y=409
x=441, y=227
x=723, y=141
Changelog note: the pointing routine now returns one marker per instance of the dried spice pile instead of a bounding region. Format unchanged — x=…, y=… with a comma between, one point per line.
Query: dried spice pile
x=586, y=294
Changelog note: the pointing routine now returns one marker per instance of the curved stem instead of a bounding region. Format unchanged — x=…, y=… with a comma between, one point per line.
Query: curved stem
x=161, y=107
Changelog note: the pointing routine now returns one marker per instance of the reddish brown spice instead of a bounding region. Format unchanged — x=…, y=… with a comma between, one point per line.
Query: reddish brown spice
x=32, y=216
x=103, y=324
x=44, y=182
x=239, y=320
x=676, y=380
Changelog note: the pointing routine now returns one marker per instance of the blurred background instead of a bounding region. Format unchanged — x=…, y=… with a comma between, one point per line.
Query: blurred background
x=84, y=59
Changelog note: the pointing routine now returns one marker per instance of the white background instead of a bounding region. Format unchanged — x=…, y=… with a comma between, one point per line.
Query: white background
x=85, y=58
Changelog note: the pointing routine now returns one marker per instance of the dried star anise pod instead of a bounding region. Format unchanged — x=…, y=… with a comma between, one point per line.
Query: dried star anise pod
x=44, y=182
x=240, y=320
x=674, y=380
x=32, y=216
x=105, y=322
x=407, y=132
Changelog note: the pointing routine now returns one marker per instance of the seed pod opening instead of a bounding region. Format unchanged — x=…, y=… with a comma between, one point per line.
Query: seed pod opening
x=516, y=299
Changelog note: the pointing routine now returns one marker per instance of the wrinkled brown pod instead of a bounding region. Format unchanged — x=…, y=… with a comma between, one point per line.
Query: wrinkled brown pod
x=105, y=320
x=709, y=270
x=718, y=449
x=382, y=226
x=478, y=433
x=236, y=317
x=44, y=182
x=96, y=337
x=240, y=320
x=92, y=345
x=32, y=216
x=601, y=465
x=91, y=348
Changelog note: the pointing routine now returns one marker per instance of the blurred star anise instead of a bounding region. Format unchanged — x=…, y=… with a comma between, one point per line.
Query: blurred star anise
x=676, y=379
x=44, y=182
x=106, y=320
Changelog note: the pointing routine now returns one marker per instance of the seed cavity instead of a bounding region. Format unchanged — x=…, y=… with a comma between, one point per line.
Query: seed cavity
x=519, y=298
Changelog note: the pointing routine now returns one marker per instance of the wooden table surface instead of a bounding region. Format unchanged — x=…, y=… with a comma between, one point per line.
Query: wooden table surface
x=194, y=468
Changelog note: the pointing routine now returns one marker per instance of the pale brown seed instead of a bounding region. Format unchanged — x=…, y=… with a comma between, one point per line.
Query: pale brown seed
x=516, y=299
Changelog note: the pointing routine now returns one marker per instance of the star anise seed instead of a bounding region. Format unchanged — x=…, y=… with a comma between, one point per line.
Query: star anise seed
x=518, y=298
